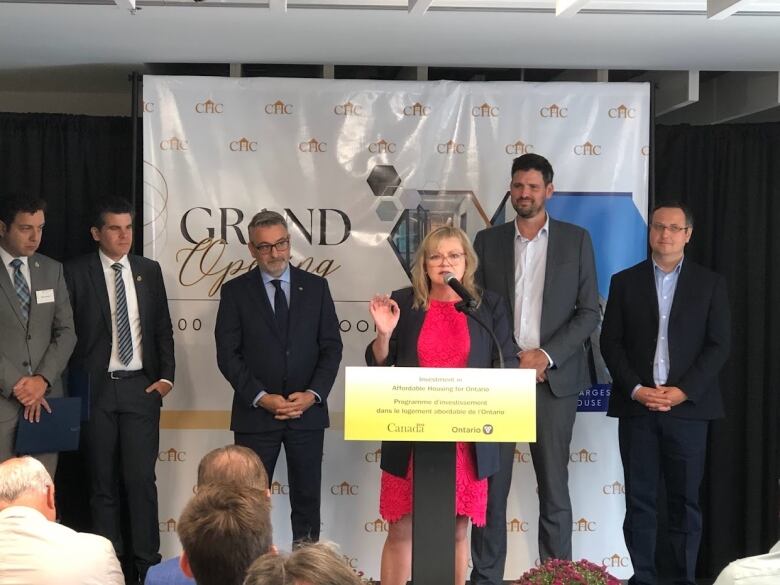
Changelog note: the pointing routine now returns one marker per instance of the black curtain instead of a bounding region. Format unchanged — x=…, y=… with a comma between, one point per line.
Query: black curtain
x=70, y=161
x=730, y=177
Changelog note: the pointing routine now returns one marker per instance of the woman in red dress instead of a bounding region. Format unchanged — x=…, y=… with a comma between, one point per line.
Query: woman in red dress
x=419, y=326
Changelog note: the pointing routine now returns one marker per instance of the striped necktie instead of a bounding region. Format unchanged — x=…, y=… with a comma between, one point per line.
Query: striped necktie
x=124, y=338
x=22, y=290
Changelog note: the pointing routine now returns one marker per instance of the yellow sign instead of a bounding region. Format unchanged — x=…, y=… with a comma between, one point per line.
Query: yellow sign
x=440, y=404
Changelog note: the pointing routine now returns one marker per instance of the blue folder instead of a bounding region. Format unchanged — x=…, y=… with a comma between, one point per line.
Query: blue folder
x=56, y=431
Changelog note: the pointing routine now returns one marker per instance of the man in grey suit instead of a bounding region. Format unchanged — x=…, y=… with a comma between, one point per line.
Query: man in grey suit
x=35, y=319
x=545, y=268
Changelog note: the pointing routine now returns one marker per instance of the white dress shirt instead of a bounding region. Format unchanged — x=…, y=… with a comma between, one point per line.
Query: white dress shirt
x=36, y=551
x=530, y=269
x=115, y=364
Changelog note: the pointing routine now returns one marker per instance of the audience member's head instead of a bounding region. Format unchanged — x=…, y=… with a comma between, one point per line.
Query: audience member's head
x=22, y=218
x=311, y=564
x=24, y=481
x=232, y=465
x=222, y=530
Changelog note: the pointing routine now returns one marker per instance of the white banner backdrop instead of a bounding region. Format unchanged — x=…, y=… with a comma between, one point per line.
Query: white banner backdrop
x=363, y=170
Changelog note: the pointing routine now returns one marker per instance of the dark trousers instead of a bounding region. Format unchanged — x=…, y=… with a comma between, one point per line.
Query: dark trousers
x=303, y=451
x=652, y=445
x=123, y=437
x=550, y=455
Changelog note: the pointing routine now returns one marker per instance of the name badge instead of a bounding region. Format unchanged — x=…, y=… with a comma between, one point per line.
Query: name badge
x=44, y=296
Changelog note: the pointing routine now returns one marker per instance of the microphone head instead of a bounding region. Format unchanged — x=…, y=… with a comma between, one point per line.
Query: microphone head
x=448, y=276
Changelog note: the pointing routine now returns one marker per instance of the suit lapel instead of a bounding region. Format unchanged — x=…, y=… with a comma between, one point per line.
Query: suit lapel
x=141, y=289
x=98, y=279
x=507, y=252
x=10, y=294
x=297, y=297
x=683, y=281
x=647, y=289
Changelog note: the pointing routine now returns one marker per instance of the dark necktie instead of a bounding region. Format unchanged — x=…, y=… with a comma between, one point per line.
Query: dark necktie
x=280, y=309
x=22, y=290
x=124, y=338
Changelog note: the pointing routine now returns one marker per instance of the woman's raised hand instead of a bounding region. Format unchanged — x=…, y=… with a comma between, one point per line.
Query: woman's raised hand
x=385, y=313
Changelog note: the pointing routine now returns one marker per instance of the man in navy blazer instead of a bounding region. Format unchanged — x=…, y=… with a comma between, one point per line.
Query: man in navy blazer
x=279, y=346
x=545, y=269
x=665, y=337
x=125, y=346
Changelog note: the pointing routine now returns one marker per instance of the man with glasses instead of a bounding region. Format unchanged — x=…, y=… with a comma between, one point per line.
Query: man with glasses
x=279, y=347
x=545, y=268
x=665, y=337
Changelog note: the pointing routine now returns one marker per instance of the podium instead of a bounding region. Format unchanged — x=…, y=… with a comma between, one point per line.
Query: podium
x=435, y=408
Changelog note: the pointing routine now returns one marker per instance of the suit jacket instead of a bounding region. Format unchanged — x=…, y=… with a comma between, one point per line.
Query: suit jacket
x=570, y=307
x=482, y=354
x=92, y=313
x=252, y=358
x=47, y=341
x=699, y=338
x=39, y=552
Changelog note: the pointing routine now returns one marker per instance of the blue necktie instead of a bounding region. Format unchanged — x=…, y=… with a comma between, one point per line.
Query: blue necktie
x=280, y=309
x=125, y=339
x=22, y=290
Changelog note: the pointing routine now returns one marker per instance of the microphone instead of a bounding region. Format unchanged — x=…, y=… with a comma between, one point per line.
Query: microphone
x=468, y=301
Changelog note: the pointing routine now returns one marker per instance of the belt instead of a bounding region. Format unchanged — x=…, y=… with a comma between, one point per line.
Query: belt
x=124, y=374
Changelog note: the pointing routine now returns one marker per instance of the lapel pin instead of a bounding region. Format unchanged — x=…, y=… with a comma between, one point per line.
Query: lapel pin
x=300, y=288
x=138, y=278
x=37, y=265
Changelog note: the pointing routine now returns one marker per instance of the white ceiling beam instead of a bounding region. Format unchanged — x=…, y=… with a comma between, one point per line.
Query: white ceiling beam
x=730, y=97
x=126, y=5
x=277, y=5
x=720, y=9
x=673, y=89
x=419, y=6
x=568, y=7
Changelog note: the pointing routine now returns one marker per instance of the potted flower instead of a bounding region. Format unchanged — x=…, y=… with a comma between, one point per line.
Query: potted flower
x=558, y=572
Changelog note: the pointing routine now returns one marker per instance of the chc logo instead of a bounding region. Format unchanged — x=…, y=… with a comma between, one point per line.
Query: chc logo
x=243, y=145
x=209, y=107
x=484, y=111
x=348, y=109
x=313, y=145
x=344, y=489
x=583, y=456
x=587, y=149
x=377, y=525
x=621, y=112
x=278, y=108
x=381, y=146
x=417, y=109
x=450, y=147
x=279, y=489
x=172, y=456
x=174, y=143
x=519, y=147
x=554, y=111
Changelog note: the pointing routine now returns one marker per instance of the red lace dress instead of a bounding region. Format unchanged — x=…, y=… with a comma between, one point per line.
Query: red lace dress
x=443, y=343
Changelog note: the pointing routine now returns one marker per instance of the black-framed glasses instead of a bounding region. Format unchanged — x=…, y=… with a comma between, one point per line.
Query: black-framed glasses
x=673, y=229
x=280, y=246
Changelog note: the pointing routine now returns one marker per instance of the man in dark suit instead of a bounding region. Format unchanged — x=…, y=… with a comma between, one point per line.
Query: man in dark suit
x=665, y=336
x=279, y=346
x=126, y=347
x=545, y=268
x=35, y=319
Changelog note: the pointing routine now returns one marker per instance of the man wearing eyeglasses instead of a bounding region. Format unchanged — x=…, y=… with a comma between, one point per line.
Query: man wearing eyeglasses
x=279, y=347
x=665, y=337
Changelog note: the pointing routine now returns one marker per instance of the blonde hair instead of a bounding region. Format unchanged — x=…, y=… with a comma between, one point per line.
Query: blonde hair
x=421, y=283
x=314, y=564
